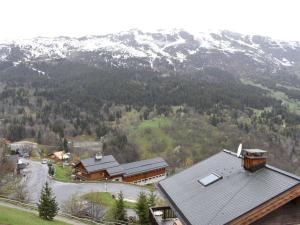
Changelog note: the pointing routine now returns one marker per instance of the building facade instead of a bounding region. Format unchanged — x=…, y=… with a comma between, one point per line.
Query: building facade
x=145, y=171
x=107, y=168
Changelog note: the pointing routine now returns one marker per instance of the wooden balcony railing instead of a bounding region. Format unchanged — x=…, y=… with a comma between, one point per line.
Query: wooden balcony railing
x=158, y=218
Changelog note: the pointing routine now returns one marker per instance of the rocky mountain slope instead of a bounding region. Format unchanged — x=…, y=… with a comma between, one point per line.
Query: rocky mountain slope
x=167, y=52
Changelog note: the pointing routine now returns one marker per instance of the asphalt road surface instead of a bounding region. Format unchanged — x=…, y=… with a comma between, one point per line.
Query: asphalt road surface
x=36, y=174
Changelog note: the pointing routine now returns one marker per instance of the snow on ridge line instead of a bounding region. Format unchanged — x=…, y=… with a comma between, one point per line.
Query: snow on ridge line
x=150, y=46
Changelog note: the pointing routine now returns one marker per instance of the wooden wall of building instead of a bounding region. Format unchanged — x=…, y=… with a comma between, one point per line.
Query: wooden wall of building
x=287, y=214
x=146, y=175
x=80, y=167
x=99, y=175
x=268, y=208
x=102, y=175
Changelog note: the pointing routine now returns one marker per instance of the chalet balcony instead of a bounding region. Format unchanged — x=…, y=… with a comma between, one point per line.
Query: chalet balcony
x=81, y=175
x=163, y=216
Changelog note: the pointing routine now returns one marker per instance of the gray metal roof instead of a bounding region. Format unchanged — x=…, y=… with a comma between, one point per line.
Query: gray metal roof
x=143, y=166
x=116, y=170
x=108, y=163
x=237, y=193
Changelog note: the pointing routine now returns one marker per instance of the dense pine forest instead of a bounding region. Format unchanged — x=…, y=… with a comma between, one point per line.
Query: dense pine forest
x=139, y=113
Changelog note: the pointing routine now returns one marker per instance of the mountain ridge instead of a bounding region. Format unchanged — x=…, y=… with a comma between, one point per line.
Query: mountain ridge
x=166, y=52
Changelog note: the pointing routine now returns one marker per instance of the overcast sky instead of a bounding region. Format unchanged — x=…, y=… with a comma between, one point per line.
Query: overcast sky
x=30, y=18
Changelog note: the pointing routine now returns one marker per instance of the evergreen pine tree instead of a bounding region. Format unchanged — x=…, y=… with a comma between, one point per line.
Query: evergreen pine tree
x=101, y=130
x=47, y=206
x=51, y=170
x=39, y=137
x=65, y=145
x=142, y=209
x=120, y=212
x=152, y=199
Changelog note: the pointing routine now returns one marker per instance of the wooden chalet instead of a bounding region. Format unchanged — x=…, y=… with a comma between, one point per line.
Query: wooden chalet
x=107, y=167
x=99, y=168
x=145, y=171
x=226, y=189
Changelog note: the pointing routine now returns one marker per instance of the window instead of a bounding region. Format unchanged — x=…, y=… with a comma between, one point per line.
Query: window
x=209, y=179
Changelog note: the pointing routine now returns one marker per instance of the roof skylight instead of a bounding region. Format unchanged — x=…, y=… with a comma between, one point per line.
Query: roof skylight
x=209, y=179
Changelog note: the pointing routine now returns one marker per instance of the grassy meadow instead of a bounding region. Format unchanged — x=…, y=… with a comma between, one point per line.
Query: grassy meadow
x=17, y=217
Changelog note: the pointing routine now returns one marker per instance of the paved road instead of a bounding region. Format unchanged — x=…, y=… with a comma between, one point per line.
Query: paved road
x=37, y=175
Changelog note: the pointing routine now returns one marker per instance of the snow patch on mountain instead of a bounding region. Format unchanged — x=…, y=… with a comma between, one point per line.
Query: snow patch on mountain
x=166, y=45
x=37, y=70
x=181, y=57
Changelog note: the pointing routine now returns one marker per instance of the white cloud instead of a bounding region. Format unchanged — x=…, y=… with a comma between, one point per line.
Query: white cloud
x=30, y=18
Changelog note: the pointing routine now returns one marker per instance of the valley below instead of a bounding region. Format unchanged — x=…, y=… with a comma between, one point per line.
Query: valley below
x=174, y=94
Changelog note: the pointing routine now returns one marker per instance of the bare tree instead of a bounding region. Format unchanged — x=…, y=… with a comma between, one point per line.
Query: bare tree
x=20, y=190
x=95, y=210
x=7, y=170
x=78, y=206
x=74, y=205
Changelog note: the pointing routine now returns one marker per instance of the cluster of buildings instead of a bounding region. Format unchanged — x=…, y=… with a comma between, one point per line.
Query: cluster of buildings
x=14, y=162
x=22, y=148
x=108, y=168
x=101, y=167
x=230, y=189
x=226, y=188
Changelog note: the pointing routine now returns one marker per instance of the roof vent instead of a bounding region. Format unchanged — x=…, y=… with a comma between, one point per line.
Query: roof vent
x=98, y=156
x=254, y=159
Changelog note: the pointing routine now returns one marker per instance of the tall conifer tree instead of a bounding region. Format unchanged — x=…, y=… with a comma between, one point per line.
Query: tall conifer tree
x=47, y=206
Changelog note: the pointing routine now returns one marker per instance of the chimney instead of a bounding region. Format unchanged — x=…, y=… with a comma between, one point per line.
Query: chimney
x=254, y=159
x=98, y=156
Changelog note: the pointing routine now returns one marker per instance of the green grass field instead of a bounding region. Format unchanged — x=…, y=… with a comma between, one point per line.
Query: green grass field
x=105, y=199
x=292, y=104
x=171, y=137
x=62, y=173
x=17, y=217
x=155, y=123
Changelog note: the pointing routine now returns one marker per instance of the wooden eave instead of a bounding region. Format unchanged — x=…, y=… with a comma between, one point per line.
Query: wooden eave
x=267, y=207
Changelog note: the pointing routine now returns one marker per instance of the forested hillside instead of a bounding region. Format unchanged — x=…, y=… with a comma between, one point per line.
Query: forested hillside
x=140, y=111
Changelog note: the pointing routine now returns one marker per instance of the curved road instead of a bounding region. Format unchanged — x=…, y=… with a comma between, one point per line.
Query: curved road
x=36, y=174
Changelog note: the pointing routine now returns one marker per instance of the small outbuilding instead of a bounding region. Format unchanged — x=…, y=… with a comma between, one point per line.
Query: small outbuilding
x=60, y=156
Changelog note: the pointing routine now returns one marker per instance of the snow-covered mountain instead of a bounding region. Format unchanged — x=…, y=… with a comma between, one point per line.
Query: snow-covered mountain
x=174, y=51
